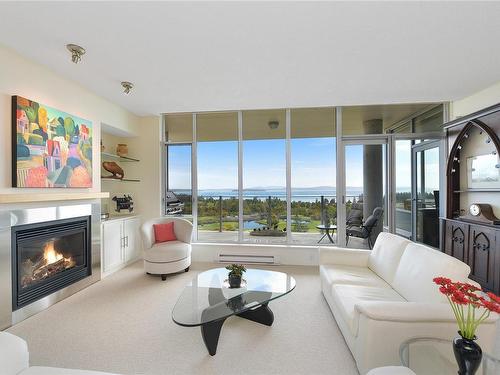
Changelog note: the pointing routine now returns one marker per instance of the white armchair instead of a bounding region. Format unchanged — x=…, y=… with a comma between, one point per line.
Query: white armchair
x=167, y=257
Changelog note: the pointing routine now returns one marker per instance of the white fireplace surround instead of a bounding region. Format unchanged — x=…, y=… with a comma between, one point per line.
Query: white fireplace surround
x=31, y=213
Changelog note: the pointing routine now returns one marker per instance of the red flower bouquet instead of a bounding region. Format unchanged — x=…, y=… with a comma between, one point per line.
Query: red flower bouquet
x=469, y=303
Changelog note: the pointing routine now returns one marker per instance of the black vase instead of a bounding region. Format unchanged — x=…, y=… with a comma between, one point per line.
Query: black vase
x=468, y=355
x=234, y=281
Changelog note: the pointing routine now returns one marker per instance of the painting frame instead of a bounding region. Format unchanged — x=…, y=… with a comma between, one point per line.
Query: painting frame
x=50, y=147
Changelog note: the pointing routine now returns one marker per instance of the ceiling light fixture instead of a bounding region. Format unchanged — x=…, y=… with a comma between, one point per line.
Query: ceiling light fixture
x=127, y=87
x=273, y=124
x=76, y=52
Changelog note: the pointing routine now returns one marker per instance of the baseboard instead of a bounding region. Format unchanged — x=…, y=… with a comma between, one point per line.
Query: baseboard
x=286, y=254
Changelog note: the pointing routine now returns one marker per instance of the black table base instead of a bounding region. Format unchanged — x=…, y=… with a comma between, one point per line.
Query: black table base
x=211, y=331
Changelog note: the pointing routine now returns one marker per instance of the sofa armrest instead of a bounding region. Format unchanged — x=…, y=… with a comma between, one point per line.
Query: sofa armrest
x=343, y=256
x=14, y=355
x=409, y=312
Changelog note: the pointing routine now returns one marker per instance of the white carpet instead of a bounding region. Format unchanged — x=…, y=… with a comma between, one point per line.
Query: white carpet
x=123, y=324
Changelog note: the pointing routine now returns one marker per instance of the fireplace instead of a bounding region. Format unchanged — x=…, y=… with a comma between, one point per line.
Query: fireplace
x=49, y=256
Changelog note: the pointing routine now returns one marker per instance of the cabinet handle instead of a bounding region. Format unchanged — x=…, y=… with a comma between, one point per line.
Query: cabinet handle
x=127, y=241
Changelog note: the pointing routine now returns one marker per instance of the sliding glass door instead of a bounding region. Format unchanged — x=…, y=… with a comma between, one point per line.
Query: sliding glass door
x=364, y=201
x=425, y=195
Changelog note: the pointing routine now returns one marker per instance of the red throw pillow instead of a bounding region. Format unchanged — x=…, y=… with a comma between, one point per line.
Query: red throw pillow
x=164, y=232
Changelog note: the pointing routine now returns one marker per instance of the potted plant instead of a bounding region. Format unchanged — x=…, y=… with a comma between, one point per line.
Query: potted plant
x=471, y=306
x=235, y=273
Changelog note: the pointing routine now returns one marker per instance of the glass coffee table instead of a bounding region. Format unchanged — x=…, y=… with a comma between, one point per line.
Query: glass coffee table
x=207, y=301
x=432, y=356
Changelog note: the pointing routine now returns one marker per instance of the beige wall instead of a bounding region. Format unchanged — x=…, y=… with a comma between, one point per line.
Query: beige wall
x=146, y=147
x=19, y=76
x=475, y=102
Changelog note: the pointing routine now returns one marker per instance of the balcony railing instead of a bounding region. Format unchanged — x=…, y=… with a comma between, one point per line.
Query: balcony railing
x=220, y=213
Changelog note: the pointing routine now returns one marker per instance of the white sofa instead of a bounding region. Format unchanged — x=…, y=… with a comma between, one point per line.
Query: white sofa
x=14, y=360
x=167, y=257
x=382, y=297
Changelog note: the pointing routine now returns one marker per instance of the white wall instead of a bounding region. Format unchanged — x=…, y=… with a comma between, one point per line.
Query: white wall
x=19, y=76
x=475, y=102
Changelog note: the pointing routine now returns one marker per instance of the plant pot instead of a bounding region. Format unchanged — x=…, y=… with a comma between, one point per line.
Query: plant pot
x=121, y=149
x=468, y=355
x=234, y=281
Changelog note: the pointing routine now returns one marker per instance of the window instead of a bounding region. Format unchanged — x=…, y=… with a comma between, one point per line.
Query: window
x=264, y=176
x=217, y=149
x=178, y=179
x=313, y=173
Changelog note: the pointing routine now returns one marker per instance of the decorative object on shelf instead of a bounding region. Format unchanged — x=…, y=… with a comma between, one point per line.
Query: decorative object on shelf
x=76, y=52
x=52, y=149
x=235, y=273
x=115, y=170
x=121, y=149
x=481, y=212
x=127, y=87
x=465, y=299
x=124, y=202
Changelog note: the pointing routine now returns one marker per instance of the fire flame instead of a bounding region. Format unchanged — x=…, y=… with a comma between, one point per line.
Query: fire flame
x=51, y=255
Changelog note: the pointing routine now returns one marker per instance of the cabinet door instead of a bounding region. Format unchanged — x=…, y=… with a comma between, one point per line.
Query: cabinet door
x=482, y=249
x=112, y=244
x=456, y=240
x=132, y=238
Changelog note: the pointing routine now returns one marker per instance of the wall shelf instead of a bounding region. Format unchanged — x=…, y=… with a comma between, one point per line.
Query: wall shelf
x=120, y=180
x=114, y=157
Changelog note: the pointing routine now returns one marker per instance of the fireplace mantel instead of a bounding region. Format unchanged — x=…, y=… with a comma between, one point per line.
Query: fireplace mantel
x=49, y=197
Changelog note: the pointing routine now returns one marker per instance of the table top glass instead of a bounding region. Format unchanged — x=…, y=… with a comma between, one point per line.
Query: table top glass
x=207, y=298
x=430, y=356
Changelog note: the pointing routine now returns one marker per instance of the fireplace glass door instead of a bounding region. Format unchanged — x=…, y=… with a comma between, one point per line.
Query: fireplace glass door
x=48, y=257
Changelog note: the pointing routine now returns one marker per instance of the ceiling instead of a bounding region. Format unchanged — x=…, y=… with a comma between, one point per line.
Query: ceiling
x=218, y=56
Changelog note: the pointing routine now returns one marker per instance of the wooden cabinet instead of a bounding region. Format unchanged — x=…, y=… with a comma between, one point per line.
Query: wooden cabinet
x=482, y=253
x=478, y=246
x=121, y=243
x=457, y=240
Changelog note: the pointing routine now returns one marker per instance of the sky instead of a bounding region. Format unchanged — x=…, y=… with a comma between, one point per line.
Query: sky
x=313, y=164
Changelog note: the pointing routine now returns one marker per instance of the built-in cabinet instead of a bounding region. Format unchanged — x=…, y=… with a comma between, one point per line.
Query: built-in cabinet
x=474, y=238
x=121, y=243
x=478, y=246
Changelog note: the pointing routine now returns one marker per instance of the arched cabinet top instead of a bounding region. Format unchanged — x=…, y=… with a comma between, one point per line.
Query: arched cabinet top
x=463, y=135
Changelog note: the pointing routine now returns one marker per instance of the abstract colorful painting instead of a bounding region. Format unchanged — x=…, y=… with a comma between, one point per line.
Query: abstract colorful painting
x=51, y=148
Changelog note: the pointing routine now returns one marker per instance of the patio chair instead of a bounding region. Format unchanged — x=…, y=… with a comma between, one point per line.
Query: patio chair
x=365, y=230
x=355, y=215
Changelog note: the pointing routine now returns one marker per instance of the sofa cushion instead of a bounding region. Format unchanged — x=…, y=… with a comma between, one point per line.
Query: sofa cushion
x=418, y=266
x=164, y=232
x=337, y=274
x=386, y=254
x=171, y=251
x=42, y=370
x=347, y=296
